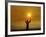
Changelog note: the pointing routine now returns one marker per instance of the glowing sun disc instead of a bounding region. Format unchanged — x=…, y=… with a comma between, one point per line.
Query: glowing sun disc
x=29, y=15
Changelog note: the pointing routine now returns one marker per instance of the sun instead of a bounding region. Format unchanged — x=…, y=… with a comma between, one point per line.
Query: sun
x=29, y=14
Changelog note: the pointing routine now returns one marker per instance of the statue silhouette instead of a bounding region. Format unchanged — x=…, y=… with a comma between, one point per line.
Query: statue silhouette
x=27, y=23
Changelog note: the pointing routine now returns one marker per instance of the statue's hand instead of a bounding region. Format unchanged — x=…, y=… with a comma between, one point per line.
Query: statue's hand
x=28, y=20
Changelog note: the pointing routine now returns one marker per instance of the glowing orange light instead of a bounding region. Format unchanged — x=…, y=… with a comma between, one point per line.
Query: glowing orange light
x=29, y=15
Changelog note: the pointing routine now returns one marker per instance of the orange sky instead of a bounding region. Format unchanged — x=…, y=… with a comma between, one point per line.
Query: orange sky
x=18, y=14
